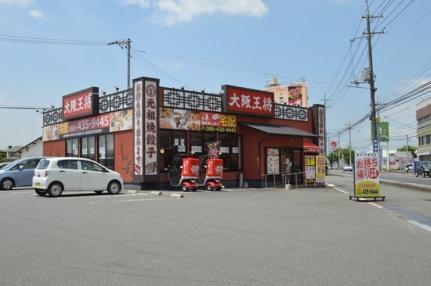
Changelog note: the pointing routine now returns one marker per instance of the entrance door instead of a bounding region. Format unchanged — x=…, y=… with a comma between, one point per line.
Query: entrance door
x=179, y=143
x=292, y=164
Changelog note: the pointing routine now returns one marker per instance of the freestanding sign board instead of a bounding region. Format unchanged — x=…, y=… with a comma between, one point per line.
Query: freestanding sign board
x=367, y=176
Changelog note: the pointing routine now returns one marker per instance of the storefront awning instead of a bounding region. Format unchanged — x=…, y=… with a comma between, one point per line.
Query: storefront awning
x=280, y=130
x=311, y=148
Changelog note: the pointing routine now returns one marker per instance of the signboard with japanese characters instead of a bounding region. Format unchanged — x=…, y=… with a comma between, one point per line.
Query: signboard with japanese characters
x=310, y=168
x=103, y=123
x=319, y=125
x=320, y=169
x=367, y=175
x=181, y=119
x=151, y=128
x=248, y=101
x=80, y=104
x=273, y=161
x=138, y=126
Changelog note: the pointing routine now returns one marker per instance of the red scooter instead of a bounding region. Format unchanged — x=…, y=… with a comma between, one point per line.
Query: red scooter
x=213, y=169
x=184, y=173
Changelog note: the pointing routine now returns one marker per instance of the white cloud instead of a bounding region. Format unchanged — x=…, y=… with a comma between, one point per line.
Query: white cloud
x=140, y=3
x=16, y=2
x=171, y=12
x=37, y=14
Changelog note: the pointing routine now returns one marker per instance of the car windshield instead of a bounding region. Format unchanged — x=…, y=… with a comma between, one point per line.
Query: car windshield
x=10, y=164
x=43, y=164
x=3, y=166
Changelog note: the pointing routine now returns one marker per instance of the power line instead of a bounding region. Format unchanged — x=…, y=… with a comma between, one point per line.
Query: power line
x=48, y=41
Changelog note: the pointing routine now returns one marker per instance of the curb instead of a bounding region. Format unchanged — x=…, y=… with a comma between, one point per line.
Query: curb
x=178, y=196
x=418, y=187
x=157, y=193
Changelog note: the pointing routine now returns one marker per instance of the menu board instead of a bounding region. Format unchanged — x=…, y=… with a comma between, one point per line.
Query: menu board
x=310, y=168
x=273, y=161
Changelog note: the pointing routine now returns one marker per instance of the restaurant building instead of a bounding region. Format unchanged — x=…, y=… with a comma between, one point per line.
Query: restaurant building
x=137, y=132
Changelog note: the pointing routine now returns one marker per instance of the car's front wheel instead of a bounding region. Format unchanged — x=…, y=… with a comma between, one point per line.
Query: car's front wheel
x=114, y=187
x=7, y=184
x=55, y=190
x=41, y=192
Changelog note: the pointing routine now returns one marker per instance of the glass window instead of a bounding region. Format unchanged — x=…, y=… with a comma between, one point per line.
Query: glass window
x=106, y=150
x=230, y=151
x=90, y=166
x=428, y=139
x=43, y=164
x=196, y=144
x=88, y=147
x=68, y=164
x=30, y=164
x=72, y=148
x=165, y=151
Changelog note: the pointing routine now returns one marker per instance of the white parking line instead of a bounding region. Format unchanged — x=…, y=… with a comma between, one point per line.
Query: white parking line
x=130, y=200
x=420, y=225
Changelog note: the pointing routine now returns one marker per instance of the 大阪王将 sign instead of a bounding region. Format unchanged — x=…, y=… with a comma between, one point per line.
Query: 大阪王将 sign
x=248, y=101
x=81, y=103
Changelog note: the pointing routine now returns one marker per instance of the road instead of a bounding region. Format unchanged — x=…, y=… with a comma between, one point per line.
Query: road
x=401, y=177
x=412, y=204
x=242, y=237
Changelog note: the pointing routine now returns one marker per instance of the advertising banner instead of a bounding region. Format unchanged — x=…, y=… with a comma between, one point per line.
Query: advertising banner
x=180, y=119
x=138, y=127
x=384, y=131
x=310, y=168
x=249, y=101
x=367, y=175
x=295, y=95
x=81, y=103
x=150, y=115
x=103, y=123
x=320, y=169
x=273, y=161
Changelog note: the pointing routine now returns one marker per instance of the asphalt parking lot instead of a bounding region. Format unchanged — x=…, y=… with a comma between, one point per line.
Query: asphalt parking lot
x=240, y=237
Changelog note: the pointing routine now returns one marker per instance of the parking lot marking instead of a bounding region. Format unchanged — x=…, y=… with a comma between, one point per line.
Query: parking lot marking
x=376, y=205
x=420, y=225
x=129, y=200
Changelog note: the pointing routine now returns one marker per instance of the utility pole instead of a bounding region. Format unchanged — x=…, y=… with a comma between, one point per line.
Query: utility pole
x=325, y=139
x=369, y=34
x=407, y=143
x=350, y=145
x=339, y=149
x=125, y=44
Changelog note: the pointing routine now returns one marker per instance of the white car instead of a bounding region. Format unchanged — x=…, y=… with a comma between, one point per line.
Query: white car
x=57, y=174
x=348, y=168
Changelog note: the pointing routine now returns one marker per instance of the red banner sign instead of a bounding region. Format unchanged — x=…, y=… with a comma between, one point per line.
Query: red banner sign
x=81, y=103
x=249, y=101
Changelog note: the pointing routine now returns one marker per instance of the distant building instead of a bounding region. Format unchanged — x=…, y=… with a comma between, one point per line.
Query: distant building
x=12, y=153
x=290, y=94
x=423, y=117
x=32, y=149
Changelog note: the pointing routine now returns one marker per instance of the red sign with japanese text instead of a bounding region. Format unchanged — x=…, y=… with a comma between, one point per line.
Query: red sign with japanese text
x=81, y=103
x=249, y=101
x=367, y=175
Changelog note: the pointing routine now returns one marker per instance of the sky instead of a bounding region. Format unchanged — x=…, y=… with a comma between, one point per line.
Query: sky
x=203, y=44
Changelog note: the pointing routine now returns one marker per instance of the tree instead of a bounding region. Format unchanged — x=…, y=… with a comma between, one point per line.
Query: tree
x=410, y=148
x=2, y=156
x=343, y=153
